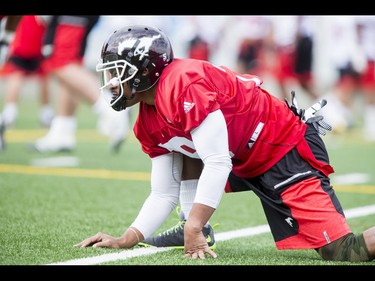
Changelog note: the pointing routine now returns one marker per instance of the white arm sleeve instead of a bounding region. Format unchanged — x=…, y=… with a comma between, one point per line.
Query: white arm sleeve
x=211, y=142
x=165, y=190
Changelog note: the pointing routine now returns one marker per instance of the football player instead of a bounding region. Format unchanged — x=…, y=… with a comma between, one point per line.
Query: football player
x=246, y=138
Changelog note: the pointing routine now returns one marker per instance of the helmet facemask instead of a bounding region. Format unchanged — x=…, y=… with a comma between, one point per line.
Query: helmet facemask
x=115, y=72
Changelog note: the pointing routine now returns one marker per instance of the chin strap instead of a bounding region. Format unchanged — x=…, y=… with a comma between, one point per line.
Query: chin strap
x=134, y=87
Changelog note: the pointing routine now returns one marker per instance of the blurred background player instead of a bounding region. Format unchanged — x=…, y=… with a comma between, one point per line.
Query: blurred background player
x=199, y=48
x=366, y=33
x=285, y=57
x=292, y=60
x=23, y=61
x=348, y=60
x=63, y=49
x=252, y=37
x=304, y=55
x=8, y=25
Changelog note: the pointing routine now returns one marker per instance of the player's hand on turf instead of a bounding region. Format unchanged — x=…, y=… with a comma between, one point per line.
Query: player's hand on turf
x=100, y=240
x=195, y=244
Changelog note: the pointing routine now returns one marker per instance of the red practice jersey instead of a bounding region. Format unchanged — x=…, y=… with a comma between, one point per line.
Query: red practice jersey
x=261, y=128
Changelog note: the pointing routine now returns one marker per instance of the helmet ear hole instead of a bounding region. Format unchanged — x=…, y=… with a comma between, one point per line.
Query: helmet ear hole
x=145, y=72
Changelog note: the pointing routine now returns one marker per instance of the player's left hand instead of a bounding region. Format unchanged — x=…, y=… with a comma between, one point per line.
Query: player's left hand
x=100, y=240
x=196, y=245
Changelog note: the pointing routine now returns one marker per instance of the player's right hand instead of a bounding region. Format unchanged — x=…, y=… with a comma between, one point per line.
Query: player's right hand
x=195, y=244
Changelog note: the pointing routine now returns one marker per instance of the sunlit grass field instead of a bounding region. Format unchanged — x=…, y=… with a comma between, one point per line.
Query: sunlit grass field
x=44, y=211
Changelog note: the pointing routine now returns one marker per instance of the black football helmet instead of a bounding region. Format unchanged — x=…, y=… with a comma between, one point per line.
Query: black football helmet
x=135, y=54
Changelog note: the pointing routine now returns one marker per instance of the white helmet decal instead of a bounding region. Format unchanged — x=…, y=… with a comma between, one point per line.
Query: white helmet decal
x=141, y=49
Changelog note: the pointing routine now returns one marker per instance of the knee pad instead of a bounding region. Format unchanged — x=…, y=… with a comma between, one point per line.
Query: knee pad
x=350, y=248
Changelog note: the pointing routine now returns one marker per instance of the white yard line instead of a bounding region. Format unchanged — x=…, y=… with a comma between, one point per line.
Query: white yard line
x=245, y=232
